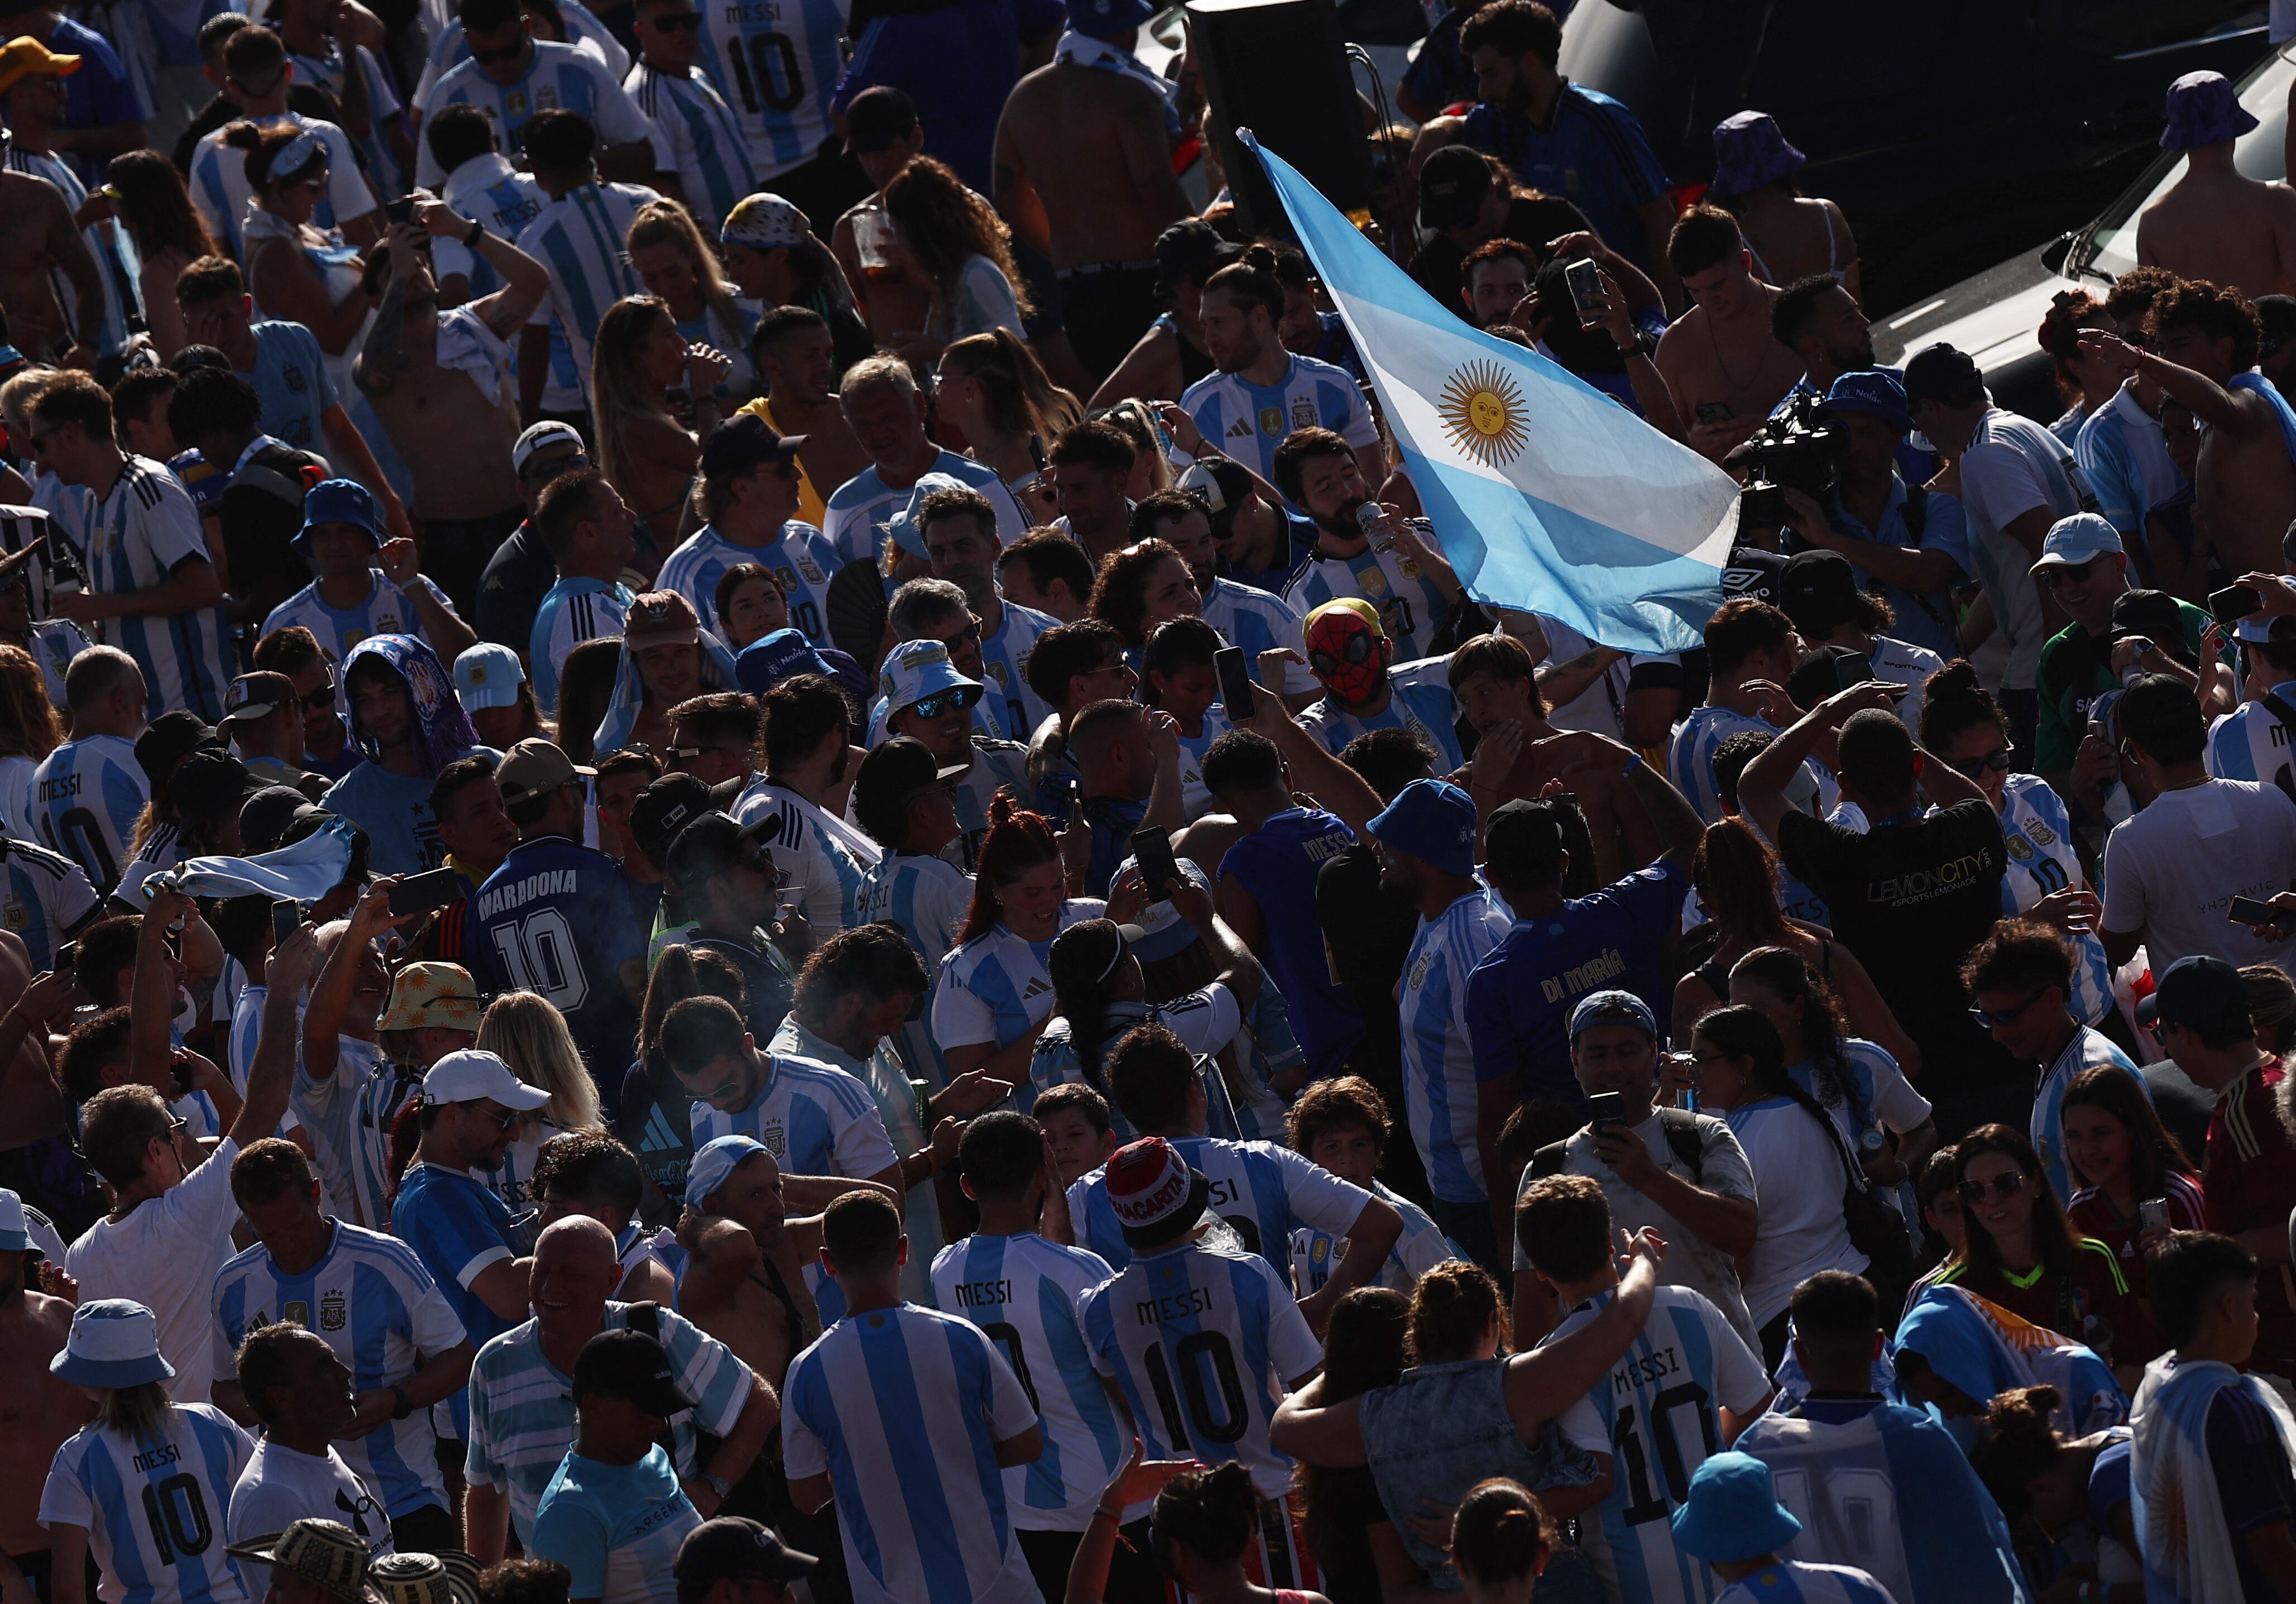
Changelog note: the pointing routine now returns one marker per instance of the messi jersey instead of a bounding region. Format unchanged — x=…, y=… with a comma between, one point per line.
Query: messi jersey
x=778, y=62
x=1204, y=1342
x=556, y=919
x=154, y=1507
x=1657, y=1414
x=1264, y=1192
x=488, y=190
x=801, y=560
x=86, y=796
x=1248, y=421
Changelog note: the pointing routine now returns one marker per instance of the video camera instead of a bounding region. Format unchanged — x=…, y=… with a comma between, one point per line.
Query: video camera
x=1796, y=448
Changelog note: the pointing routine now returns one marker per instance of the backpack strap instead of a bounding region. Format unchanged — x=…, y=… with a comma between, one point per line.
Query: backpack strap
x=1549, y=1159
x=1683, y=1138
x=1916, y=510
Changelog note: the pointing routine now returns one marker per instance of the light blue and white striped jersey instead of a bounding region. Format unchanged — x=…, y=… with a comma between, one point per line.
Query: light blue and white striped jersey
x=559, y=77
x=903, y=1408
x=997, y=764
x=487, y=189
x=1264, y=1192
x=706, y=148
x=87, y=795
x=153, y=1508
x=388, y=610
x=373, y=1302
x=220, y=190
x=2041, y=860
x=858, y=512
x=572, y=612
x=1204, y=1341
x=522, y=1406
x=779, y=62
x=1438, y=1061
x=1421, y=1246
x=450, y=47
x=1690, y=763
x=1025, y=1294
x=581, y=237
x=1259, y=620
x=47, y=897
x=1419, y=700
x=800, y=559
x=2087, y=1050
x=1886, y=1489
x=1013, y=707
x=1249, y=420
x=292, y=381
x=145, y=529
x=813, y=1117
x=117, y=262
x=2125, y=458
x=1196, y=799
x=819, y=859
x=616, y=1529
x=349, y=1116
x=1656, y=1415
x=1205, y=1021
x=330, y=72
x=1791, y=1581
x=927, y=897
x=2250, y=742
x=995, y=986
x=1412, y=608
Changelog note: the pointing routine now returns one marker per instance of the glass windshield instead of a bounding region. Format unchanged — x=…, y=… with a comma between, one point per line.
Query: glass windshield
x=2260, y=153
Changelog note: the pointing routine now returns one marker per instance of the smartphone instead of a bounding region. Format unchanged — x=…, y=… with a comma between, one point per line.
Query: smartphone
x=1234, y=682
x=67, y=956
x=286, y=914
x=1606, y=1110
x=2248, y=911
x=1586, y=282
x=420, y=893
x=1151, y=849
x=1713, y=412
x=1058, y=794
x=2152, y=1213
x=401, y=211
x=2235, y=602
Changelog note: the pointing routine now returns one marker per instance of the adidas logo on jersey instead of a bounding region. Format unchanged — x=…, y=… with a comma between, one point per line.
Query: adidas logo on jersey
x=1239, y=429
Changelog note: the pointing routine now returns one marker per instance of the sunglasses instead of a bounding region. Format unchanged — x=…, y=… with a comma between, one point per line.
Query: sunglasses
x=1996, y=760
x=677, y=22
x=322, y=698
x=501, y=1119
x=1986, y=1020
x=556, y=466
x=2003, y=1187
x=2078, y=572
x=507, y=53
x=970, y=636
x=939, y=703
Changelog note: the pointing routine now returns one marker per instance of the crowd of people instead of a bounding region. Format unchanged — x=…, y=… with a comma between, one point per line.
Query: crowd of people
x=878, y=925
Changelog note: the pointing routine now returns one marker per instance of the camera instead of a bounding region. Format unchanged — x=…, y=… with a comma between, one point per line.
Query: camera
x=1795, y=448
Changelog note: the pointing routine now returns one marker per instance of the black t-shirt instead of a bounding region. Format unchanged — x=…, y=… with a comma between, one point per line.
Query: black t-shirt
x=1368, y=932
x=261, y=511
x=518, y=576
x=1532, y=221
x=1911, y=900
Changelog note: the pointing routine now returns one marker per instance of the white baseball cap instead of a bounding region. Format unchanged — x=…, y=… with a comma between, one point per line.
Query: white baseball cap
x=15, y=1236
x=467, y=1076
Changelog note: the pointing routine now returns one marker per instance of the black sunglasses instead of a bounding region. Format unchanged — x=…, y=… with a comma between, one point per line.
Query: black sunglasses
x=677, y=22
x=507, y=53
x=2004, y=1186
x=1996, y=760
x=324, y=697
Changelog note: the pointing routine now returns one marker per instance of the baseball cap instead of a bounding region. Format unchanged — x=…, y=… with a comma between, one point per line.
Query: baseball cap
x=1749, y=150
x=1873, y=392
x=2072, y=541
x=533, y=767
x=1611, y=1008
x=663, y=810
x=2202, y=109
x=713, y=843
x=770, y=659
x=26, y=57
x=1938, y=371
x=1521, y=841
x=114, y=1343
x=339, y=501
x=894, y=770
x=473, y=1073
x=253, y=695
x=1152, y=1192
x=169, y=739
x=713, y=1162
x=1817, y=591
x=325, y=1552
x=541, y=437
x=2199, y=993
x=660, y=617
x=487, y=675
x=15, y=1234
x=209, y=783
x=1432, y=819
x=765, y=222
x=264, y=817
x=744, y=441
x=732, y=1548
x=1224, y=485
x=431, y=993
x=1191, y=249
x=876, y=119
x=1733, y=1512
x=2150, y=612
x=2265, y=627
x=632, y=1366
x=1452, y=186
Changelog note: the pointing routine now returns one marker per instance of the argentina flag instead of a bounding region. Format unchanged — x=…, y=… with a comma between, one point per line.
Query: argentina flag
x=1545, y=494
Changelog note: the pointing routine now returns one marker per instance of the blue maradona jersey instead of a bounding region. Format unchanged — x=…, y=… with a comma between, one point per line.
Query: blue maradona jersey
x=556, y=919
x=1249, y=420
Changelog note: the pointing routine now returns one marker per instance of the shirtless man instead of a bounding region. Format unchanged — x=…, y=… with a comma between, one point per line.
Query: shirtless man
x=1084, y=174
x=745, y=1283
x=2203, y=351
x=38, y=240
x=882, y=132
x=37, y=1411
x=2213, y=223
x=1719, y=359
x=440, y=383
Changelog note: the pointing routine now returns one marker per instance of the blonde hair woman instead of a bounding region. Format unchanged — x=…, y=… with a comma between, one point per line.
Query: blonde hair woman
x=529, y=1035
x=30, y=730
x=676, y=265
x=645, y=451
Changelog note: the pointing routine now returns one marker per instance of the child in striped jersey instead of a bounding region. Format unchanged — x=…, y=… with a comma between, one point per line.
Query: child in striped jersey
x=1343, y=1125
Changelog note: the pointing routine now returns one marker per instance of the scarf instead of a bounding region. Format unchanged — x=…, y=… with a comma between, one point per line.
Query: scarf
x=444, y=730
x=1082, y=50
x=468, y=346
x=304, y=872
x=1986, y=1351
x=630, y=694
x=2172, y=1484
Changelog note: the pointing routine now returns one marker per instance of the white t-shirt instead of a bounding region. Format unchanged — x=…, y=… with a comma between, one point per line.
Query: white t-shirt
x=282, y=1486
x=2012, y=466
x=2172, y=870
x=165, y=1255
x=1799, y=1179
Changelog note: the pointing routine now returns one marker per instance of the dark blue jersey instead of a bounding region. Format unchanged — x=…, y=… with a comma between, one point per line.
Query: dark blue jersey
x=556, y=919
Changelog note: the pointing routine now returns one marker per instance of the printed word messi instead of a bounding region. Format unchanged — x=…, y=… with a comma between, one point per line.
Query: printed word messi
x=518, y=893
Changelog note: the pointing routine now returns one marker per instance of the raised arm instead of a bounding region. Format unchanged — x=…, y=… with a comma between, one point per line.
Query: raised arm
x=331, y=994
x=1337, y=787
x=271, y=1074
x=1539, y=1384
x=2208, y=401
x=1762, y=788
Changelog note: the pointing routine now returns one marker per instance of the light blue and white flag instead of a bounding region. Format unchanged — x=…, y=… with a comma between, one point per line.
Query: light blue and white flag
x=304, y=872
x=1545, y=494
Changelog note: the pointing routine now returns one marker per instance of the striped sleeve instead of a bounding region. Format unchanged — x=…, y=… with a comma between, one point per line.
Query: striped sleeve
x=707, y=1372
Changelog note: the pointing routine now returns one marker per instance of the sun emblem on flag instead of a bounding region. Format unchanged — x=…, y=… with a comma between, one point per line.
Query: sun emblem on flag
x=1482, y=412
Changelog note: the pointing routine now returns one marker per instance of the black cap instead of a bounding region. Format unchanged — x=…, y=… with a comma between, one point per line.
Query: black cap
x=1939, y=372
x=663, y=810
x=2200, y=993
x=264, y=817
x=713, y=843
x=896, y=769
x=1523, y=841
x=743, y=442
x=1818, y=591
x=2275, y=319
x=1224, y=485
x=210, y=783
x=877, y=118
x=733, y=1549
x=2151, y=613
x=631, y=1366
x=1190, y=249
x=1452, y=184
x=170, y=738
x=1753, y=572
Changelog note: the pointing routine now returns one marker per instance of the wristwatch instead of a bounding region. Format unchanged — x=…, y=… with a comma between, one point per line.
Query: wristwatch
x=406, y=1404
x=470, y=240
x=719, y=1485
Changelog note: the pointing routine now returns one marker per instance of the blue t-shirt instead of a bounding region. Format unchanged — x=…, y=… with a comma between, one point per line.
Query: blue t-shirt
x=616, y=1529
x=291, y=382
x=1278, y=864
x=394, y=810
x=1519, y=996
x=956, y=63
x=454, y=1221
x=99, y=92
x=556, y=919
x=1592, y=153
